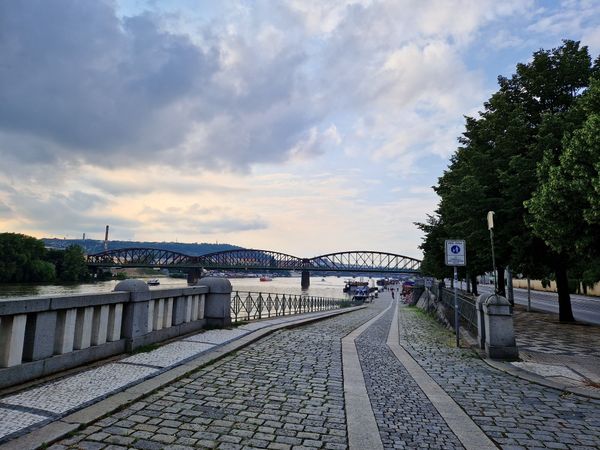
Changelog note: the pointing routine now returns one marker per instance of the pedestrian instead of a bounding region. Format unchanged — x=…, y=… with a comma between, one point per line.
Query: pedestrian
x=392, y=294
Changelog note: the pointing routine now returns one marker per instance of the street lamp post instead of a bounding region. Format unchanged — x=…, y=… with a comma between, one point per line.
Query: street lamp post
x=490, y=221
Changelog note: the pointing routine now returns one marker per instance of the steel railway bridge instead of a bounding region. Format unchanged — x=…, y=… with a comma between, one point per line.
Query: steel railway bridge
x=256, y=260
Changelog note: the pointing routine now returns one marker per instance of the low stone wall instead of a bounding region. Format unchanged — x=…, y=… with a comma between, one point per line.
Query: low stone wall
x=536, y=285
x=41, y=336
x=429, y=303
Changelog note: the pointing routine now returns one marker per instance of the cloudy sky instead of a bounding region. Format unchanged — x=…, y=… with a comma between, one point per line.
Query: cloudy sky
x=303, y=126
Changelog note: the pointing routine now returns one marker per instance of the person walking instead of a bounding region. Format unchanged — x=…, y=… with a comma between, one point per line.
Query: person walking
x=393, y=294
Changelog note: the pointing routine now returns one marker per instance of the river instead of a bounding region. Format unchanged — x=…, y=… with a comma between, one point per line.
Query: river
x=329, y=286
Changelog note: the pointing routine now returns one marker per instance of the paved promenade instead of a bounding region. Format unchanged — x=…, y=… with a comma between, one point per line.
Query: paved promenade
x=290, y=390
x=568, y=354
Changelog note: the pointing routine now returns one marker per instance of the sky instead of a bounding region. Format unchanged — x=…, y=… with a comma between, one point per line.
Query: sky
x=300, y=126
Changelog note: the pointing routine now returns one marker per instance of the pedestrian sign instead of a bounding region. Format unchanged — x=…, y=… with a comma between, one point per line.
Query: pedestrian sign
x=456, y=253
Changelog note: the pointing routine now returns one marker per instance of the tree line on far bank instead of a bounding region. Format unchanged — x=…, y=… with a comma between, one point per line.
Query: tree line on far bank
x=532, y=156
x=25, y=259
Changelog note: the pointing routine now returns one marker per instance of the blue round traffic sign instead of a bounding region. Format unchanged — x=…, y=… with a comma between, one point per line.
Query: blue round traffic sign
x=455, y=249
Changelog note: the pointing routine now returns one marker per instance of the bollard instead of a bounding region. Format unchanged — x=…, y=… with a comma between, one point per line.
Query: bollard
x=499, y=331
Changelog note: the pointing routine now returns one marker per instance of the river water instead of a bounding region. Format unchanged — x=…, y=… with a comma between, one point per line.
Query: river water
x=319, y=286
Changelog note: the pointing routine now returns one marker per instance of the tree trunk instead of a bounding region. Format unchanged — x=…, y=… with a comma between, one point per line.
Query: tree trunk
x=565, y=313
x=500, y=281
x=474, y=284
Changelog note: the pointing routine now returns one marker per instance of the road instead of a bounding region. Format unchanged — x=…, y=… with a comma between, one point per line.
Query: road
x=585, y=309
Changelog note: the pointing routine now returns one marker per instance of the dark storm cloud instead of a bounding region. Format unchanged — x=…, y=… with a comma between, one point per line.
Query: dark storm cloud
x=79, y=84
x=73, y=73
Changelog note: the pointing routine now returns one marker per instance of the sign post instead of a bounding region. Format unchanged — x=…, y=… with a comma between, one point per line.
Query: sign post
x=456, y=255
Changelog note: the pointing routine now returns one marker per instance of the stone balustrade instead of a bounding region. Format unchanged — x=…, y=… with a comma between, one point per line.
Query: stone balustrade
x=41, y=336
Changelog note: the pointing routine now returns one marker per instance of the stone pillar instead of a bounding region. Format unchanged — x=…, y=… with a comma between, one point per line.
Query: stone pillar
x=217, y=302
x=135, y=314
x=305, y=280
x=481, y=319
x=499, y=331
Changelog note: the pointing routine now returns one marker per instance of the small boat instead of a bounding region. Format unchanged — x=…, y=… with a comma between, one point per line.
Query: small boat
x=153, y=282
x=266, y=278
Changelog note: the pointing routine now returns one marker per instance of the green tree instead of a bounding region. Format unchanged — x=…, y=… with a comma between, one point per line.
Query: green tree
x=74, y=267
x=22, y=259
x=565, y=209
x=496, y=166
x=433, y=248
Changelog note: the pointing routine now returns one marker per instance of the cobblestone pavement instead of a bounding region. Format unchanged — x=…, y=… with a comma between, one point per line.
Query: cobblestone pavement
x=566, y=353
x=283, y=391
x=44, y=403
x=515, y=413
x=405, y=416
x=537, y=332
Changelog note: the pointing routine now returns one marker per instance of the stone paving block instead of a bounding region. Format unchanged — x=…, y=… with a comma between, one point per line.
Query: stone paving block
x=217, y=336
x=12, y=421
x=490, y=396
x=68, y=393
x=170, y=354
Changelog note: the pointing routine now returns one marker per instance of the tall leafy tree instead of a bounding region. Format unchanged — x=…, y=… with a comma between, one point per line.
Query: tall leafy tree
x=22, y=259
x=74, y=267
x=496, y=166
x=565, y=209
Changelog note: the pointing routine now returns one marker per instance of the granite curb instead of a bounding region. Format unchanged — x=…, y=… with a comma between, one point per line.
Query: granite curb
x=60, y=428
x=363, y=431
x=538, y=379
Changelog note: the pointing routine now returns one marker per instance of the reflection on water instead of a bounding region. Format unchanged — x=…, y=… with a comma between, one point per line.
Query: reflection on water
x=319, y=286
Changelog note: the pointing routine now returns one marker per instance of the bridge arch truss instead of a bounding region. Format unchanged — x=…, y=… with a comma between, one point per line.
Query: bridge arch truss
x=255, y=259
x=365, y=261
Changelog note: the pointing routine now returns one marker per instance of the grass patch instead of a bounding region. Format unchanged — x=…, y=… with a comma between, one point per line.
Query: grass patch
x=239, y=323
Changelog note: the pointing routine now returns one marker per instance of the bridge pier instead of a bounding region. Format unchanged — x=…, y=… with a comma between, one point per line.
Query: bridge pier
x=305, y=280
x=193, y=276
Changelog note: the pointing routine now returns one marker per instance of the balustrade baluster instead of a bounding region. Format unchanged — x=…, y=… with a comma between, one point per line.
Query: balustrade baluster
x=195, y=300
x=188, y=308
x=83, y=328
x=65, y=331
x=100, y=325
x=201, y=306
x=115, y=318
x=12, y=337
x=168, y=315
x=151, y=306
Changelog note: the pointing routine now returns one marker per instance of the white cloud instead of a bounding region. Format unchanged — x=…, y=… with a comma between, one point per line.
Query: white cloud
x=271, y=119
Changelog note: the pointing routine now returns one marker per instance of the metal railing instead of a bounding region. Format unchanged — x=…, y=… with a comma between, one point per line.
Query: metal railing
x=466, y=307
x=261, y=305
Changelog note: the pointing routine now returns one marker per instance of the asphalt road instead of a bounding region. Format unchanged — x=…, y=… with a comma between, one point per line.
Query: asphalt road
x=585, y=309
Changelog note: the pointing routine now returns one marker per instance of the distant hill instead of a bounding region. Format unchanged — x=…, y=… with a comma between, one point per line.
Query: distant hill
x=92, y=246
